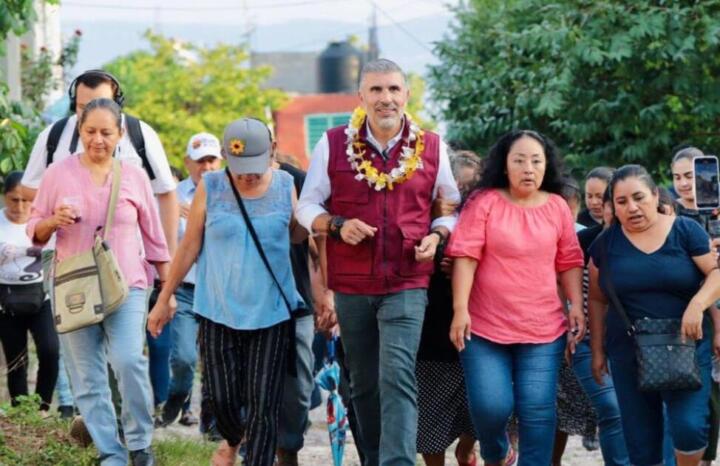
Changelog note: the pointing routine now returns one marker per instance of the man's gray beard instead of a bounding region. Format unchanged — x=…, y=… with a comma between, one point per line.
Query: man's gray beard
x=388, y=123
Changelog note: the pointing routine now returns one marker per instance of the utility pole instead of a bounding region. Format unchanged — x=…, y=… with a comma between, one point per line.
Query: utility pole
x=373, y=51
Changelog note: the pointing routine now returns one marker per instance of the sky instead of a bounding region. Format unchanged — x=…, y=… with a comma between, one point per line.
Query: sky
x=247, y=14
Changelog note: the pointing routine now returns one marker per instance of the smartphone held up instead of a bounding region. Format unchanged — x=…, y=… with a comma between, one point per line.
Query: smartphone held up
x=707, y=189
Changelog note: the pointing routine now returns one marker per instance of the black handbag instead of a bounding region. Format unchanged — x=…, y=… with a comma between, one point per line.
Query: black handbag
x=664, y=361
x=22, y=300
x=292, y=351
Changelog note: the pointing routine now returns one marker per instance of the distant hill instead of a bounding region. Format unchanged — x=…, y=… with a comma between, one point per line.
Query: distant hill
x=103, y=41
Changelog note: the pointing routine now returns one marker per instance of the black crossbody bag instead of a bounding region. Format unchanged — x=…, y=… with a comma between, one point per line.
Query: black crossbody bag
x=292, y=353
x=664, y=361
x=22, y=300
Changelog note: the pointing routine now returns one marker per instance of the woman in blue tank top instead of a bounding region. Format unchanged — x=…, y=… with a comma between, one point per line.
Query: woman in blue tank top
x=245, y=321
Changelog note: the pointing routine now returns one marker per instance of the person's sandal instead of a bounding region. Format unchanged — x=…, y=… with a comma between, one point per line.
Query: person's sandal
x=225, y=455
x=511, y=457
x=472, y=462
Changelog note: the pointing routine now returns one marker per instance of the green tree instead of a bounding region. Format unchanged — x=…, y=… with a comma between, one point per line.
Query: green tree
x=612, y=82
x=182, y=89
x=20, y=122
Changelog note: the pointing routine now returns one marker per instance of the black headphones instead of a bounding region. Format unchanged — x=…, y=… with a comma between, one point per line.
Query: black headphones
x=119, y=98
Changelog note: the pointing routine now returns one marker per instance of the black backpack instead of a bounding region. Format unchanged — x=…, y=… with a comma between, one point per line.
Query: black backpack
x=134, y=131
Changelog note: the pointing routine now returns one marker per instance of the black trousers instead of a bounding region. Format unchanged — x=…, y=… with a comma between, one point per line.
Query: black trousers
x=13, y=334
x=246, y=369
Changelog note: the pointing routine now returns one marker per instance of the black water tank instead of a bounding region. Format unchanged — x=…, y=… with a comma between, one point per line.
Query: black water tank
x=339, y=68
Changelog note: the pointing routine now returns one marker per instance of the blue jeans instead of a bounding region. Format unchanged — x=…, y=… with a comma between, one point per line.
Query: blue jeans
x=522, y=378
x=62, y=386
x=183, y=344
x=604, y=400
x=644, y=420
x=381, y=335
x=159, y=360
x=298, y=390
x=120, y=338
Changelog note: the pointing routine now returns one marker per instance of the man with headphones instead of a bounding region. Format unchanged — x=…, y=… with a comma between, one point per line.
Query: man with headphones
x=139, y=144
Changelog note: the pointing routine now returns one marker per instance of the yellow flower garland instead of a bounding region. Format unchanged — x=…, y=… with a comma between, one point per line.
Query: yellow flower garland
x=410, y=160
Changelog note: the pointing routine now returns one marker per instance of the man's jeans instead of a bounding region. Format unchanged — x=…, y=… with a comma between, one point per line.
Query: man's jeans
x=183, y=349
x=120, y=339
x=298, y=390
x=381, y=335
x=604, y=400
x=502, y=378
x=62, y=386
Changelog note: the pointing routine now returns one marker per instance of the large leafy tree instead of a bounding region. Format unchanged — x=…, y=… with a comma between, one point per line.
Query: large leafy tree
x=612, y=82
x=182, y=89
x=19, y=123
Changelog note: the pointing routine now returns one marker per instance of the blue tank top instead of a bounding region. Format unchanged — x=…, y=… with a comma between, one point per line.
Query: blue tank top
x=233, y=286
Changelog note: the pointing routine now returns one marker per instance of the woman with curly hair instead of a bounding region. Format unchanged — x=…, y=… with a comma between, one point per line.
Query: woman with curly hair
x=514, y=241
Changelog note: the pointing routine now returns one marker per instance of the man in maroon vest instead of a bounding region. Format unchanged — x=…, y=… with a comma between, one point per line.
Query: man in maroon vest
x=370, y=189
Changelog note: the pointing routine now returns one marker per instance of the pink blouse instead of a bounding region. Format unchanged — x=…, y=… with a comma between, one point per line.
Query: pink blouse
x=136, y=236
x=520, y=250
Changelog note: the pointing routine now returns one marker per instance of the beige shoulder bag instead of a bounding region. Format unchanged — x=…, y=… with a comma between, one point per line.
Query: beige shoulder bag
x=89, y=286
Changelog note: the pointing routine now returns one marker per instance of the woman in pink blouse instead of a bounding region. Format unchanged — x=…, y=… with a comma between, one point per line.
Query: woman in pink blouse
x=72, y=203
x=514, y=243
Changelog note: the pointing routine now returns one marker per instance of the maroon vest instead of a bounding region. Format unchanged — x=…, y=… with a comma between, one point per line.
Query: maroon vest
x=385, y=263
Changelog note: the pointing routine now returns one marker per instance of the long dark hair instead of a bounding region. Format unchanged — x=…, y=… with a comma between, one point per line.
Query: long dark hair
x=495, y=169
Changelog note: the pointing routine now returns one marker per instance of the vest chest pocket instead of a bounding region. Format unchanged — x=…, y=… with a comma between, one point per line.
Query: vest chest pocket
x=411, y=236
x=346, y=189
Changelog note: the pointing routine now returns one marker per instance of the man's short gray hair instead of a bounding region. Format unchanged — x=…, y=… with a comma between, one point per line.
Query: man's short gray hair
x=381, y=65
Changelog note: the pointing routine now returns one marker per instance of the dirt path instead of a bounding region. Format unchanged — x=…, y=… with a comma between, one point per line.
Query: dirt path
x=317, y=450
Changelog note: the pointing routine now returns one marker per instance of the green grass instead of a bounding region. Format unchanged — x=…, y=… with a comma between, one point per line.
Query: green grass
x=26, y=439
x=181, y=452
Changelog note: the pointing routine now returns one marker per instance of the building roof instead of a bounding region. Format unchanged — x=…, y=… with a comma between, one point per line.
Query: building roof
x=290, y=120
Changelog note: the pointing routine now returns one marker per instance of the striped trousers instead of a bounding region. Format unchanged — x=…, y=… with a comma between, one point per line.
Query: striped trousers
x=246, y=369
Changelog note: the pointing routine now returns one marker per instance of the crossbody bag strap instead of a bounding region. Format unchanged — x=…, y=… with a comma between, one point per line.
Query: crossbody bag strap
x=610, y=288
x=256, y=240
x=112, y=203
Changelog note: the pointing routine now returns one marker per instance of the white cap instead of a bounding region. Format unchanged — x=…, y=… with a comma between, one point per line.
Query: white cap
x=203, y=145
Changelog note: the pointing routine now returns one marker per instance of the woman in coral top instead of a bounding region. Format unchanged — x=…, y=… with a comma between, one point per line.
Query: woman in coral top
x=514, y=243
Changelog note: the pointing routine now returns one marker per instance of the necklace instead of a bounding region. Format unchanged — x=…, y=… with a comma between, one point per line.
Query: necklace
x=410, y=158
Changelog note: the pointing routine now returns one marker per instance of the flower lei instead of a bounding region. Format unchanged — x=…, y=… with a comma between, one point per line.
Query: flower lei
x=410, y=158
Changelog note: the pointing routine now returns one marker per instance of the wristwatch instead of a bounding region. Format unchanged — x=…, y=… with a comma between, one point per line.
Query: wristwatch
x=334, y=225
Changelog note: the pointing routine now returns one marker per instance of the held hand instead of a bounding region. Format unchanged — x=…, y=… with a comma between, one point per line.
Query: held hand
x=576, y=323
x=425, y=252
x=460, y=329
x=355, y=230
x=160, y=315
x=326, y=317
x=599, y=367
x=569, y=349
x=63, y=216
x=715, y=247
x=184, y=210
x=692, y=323
x=443, y=208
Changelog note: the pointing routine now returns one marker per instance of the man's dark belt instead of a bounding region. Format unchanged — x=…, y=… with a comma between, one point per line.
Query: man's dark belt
x=187, y=285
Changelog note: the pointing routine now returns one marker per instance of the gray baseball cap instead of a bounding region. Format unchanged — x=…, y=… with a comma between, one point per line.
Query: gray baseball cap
x=247, y=146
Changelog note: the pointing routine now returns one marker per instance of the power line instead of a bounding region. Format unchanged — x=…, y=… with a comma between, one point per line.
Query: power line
x=330, y=35
x=402, y=28
x=266, y=6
